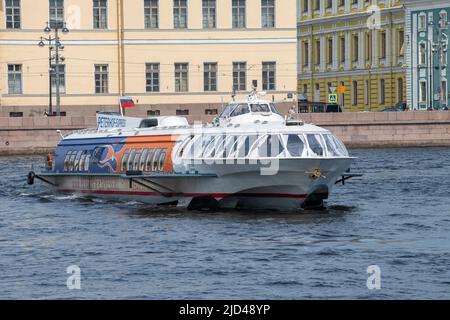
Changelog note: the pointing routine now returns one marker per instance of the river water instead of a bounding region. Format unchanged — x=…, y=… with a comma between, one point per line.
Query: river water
x=396, y=217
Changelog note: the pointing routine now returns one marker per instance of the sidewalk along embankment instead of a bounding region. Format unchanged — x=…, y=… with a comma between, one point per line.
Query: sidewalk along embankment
x=37, y=135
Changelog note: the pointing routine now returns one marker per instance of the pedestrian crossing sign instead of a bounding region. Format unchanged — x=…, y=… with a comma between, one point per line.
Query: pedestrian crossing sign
x=333, y=98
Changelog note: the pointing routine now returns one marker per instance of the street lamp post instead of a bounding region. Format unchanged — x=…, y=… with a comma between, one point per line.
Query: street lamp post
x=54, y=43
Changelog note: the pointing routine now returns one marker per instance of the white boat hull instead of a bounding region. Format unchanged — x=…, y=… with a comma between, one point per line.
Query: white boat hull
x=236, y=185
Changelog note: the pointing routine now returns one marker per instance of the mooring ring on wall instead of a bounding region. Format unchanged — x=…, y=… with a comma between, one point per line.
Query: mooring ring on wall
x=7, y=143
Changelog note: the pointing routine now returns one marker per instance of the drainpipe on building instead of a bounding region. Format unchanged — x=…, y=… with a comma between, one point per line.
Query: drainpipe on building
x=119, y=50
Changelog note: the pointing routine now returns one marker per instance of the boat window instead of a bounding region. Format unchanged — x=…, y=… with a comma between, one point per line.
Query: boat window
x=162, y=157
x=66, y=160
x=233, y=151
x=331, y=146
x=142, y=160
x=137, y=159
x=87, y=161
x=295, y=145
x=314, y=145
x=82, y=160
x=125, y=159
x=209, y=148
x=269, y=146
x=130, y=159
x=155, y=160
x=245, y=145
x=228, y=110
x=274, y=109
x=72, y=160
x=220, y=147
x=260, y=108
x=342, y=150
x=184, y=146
x=240, y=110
x=77, y=160
x=230, y=146
x=148, y=163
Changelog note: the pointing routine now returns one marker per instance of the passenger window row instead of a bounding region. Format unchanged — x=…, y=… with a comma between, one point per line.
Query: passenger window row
x=264, y=146
x=77, y=161
x=144, y=159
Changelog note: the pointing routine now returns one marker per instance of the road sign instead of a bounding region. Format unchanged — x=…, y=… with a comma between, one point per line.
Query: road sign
x=332, y=89
x=341, y=89
x=333, y=98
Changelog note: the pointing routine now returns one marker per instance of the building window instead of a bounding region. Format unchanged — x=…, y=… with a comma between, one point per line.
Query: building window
x=318, y=52
x=209, y=14
x=181, y=77
x=383, y=45
x=444, y=92
x=343, y=51
x=153, y=112
x=152, y=77
x=101, y=78
x=382, y=91
x=210, y=76
x=305, y=54
x=239, y=76
x=151, y=14
x=56, y=12
x=443, y=19
x=355, y=48
x=422, y=22
x=355, y=93
x=268, y=13
x=180, y=14
x=330, y=51
x=12, y=10
x=368, y=46
x=317, y=5
x=62, y=78
x=401, y=43
x=400, y=90
x=14, y=78
x=422, y=54
x=423, y=91
x=100, y=14
x=366, y=92
x=239, y=14
x=305, y=6
x=268, y=75
x=210, y=112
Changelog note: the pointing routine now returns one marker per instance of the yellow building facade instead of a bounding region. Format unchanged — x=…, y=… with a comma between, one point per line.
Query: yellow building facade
x=171, y=56
x=356, y=44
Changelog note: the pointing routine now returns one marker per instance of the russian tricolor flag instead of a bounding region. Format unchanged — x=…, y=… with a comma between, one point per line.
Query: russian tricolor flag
x=126, y=102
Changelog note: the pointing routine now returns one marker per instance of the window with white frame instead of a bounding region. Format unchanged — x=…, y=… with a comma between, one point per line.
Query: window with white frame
x=151, y=14
x=12, y=12
x=100, y=14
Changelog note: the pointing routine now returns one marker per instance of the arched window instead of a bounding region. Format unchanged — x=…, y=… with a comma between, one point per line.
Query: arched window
x=130, y=160
x=125, y=159
x=156, y=160
x=143, y=159
x=315, y=146
x=162, y=158
x=295, y=145
x=148, y=162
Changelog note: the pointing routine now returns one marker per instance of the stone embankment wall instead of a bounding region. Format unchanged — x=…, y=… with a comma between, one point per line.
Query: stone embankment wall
x=34, y=135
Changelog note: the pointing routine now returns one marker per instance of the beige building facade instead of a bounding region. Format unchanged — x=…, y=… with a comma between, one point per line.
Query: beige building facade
x=171, y=56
